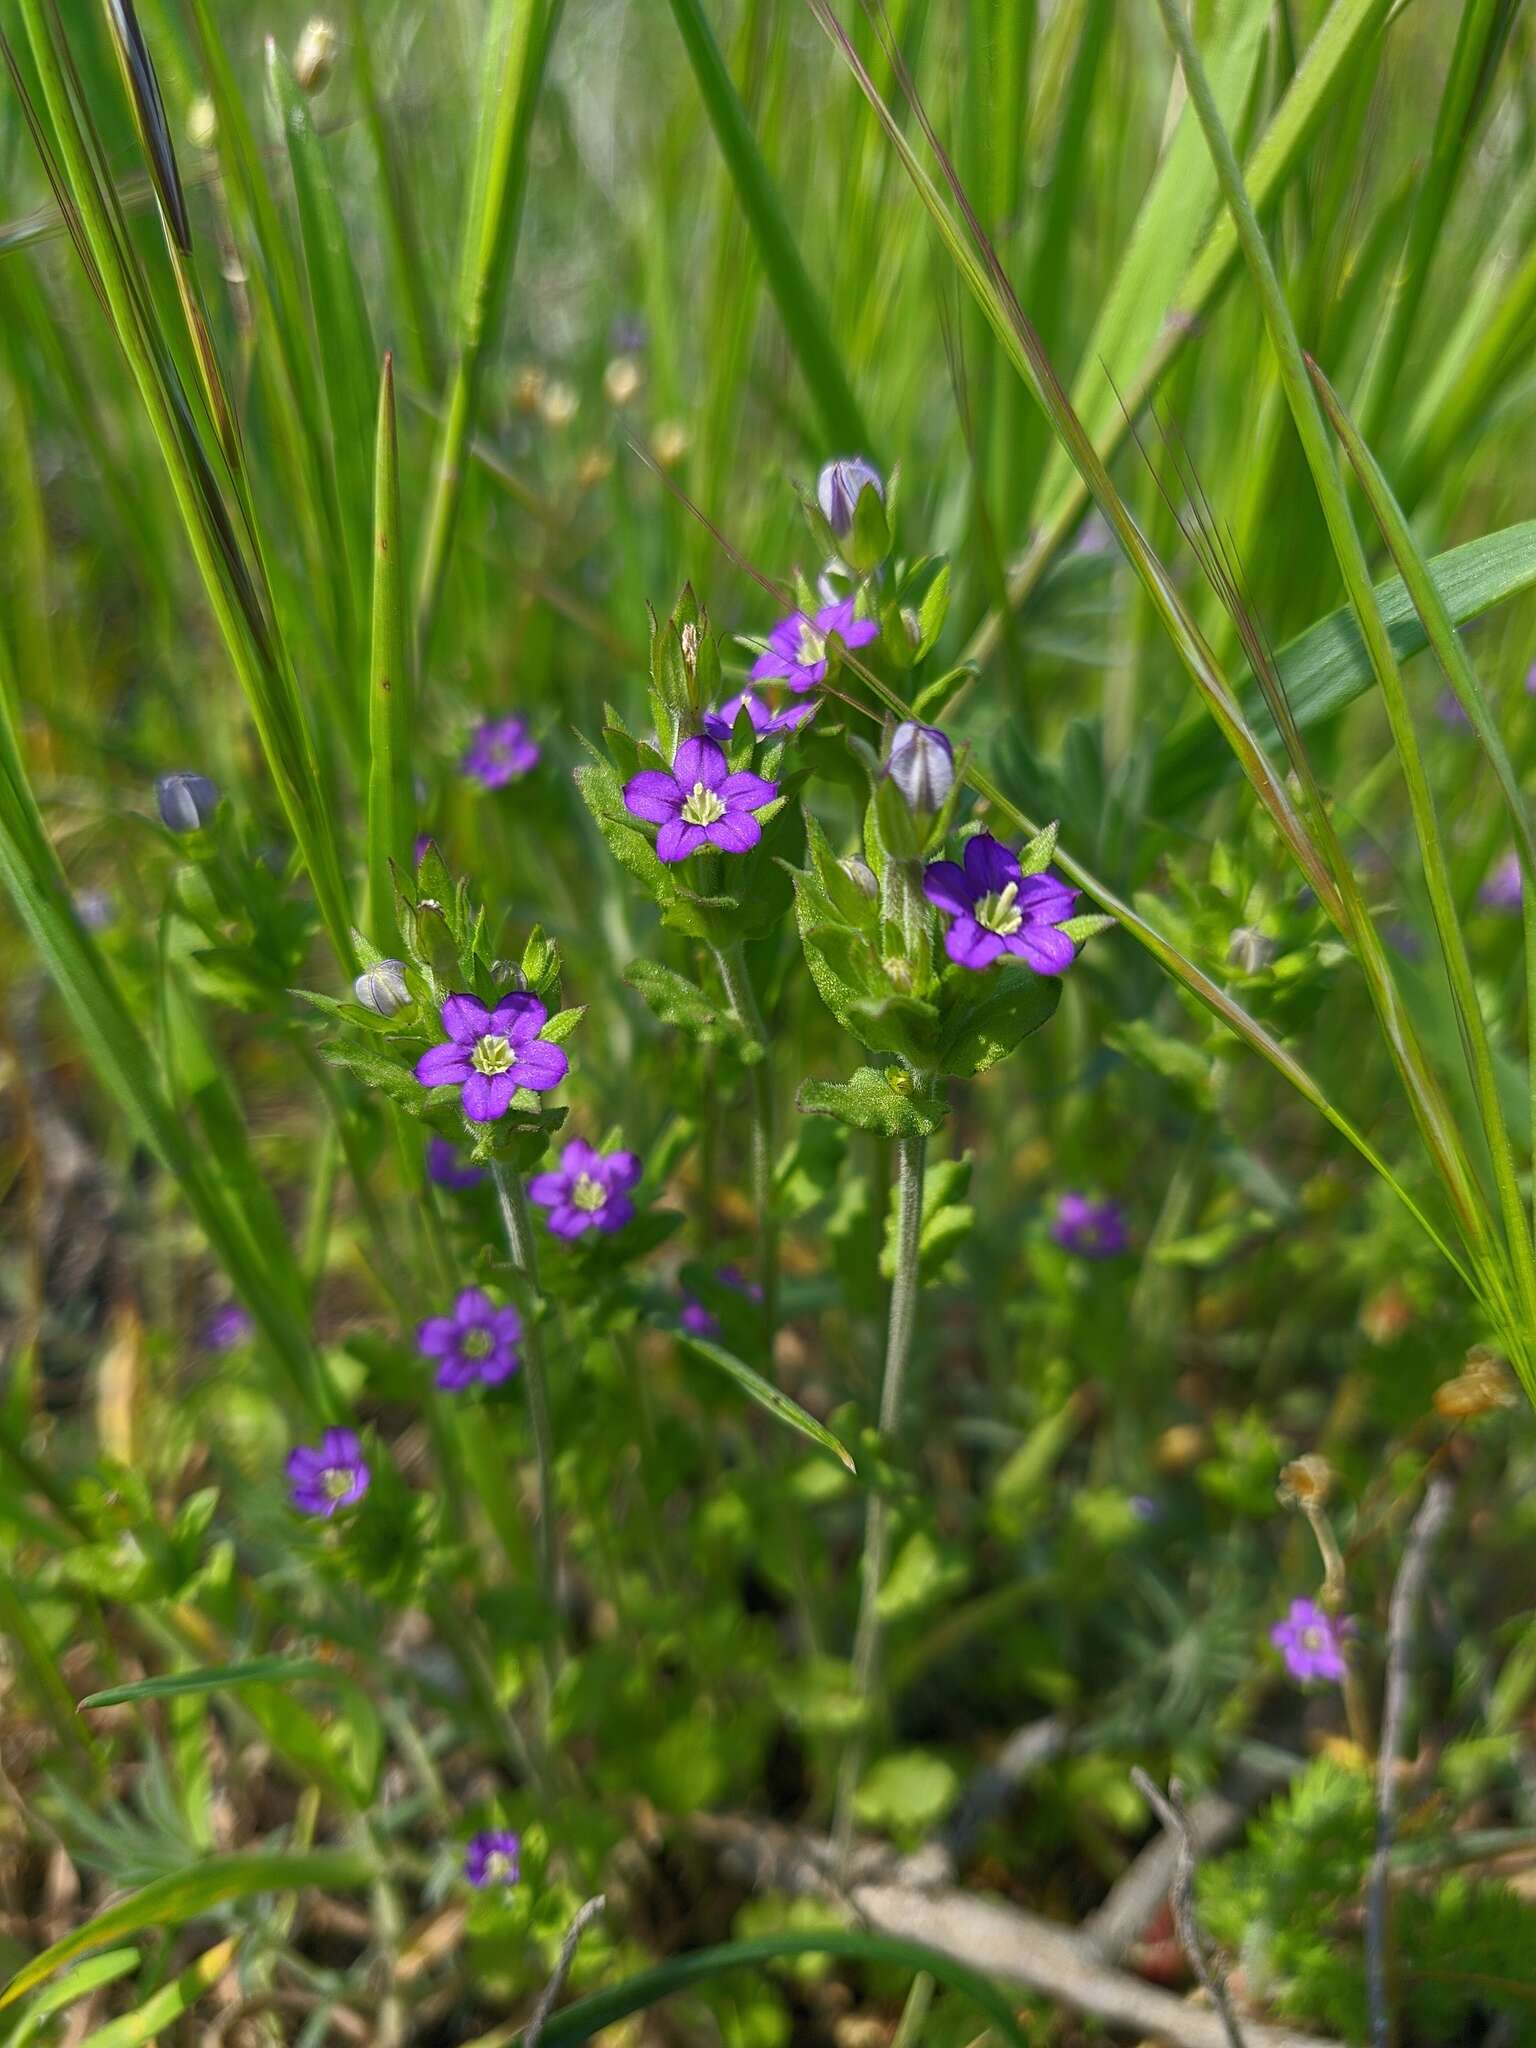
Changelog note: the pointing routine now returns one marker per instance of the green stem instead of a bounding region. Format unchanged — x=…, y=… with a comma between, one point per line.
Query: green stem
x=910, y=1159
x=518, y=1225
x=738, y=993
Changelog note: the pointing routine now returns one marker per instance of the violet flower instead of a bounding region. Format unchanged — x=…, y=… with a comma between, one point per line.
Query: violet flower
x=590, y=1190
x=329, y=1475
x=229, y=1326
x=499, y=752
x=477, y=1342
x=494, y=1856
x=700, y=1321
x=1311, y=1642
x=1094, y=1230
x=490, y=1054
x=698, y=802
x=444, y=1165
x=767, y=724
x=1505, y=887
x=797, y=646
x=998, y=909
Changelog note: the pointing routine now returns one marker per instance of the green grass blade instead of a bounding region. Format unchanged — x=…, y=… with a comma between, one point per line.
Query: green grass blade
x=766, y=1395
x=588, y=2016
x=186, y=1894
x=214, y=1678
x=88, y=1977
x=148, y=2022
x=391, y=687
x=805, y=320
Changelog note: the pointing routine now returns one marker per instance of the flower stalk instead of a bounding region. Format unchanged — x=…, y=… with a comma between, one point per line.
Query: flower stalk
x=743, y=1004
x=518, y=1225
x=911, y=1155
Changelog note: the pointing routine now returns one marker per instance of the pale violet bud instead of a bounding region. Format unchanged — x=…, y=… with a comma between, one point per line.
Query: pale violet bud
x=314, y=57
x=861, y=874
x=838, y=488
x=381, y=988
x=187, y=801
x=921, y=763
x=1250, y=951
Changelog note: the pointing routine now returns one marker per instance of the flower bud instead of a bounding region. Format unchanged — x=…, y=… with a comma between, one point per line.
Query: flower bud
x=187, y=801
x=381, y=988
x=314, y=57
x=921, y=763
x=1306, y=1482
x=1250, y=951
x=861, y=874
x=838, y=488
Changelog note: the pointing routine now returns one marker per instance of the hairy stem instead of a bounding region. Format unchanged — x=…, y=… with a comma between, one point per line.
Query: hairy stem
x=910, y=1157
x=518, y=1225
x=738, y=993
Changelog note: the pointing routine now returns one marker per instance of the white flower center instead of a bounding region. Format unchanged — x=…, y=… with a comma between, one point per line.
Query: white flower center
x=335, y=1481
x=702, y=806
x=478, y=1344
x=1000, y=912
x=813, y=645
x=498, y=1867
x=589, y=1194
x=1312, y=1639
x=492, y=1055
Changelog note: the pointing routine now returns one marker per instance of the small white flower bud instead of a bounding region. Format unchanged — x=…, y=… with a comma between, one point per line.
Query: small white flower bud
x=838, y=488
x=187, y=801
x=382, y=988
x=314, y=56
x=921, y=763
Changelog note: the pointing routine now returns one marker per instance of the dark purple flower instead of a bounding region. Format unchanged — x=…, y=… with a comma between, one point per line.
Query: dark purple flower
x=490, y=1054
x=838, y=489
x=477, y=1342
x=797, y=647
x=721, y=722
x=698, y=802
x=1311, y=1642
x=1505, y=886
x=494, y=1856
x=229, y=1325
x=590, y=1191
x=998, y=909
x=419, y=847
x=444, y=1165
x=329, y=1475
x=1094, y=1230
x=499, y=752
x=921, y=763
x=700, y=1321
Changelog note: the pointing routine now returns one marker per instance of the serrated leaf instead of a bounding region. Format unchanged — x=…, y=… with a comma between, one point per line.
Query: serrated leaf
x=1088, y=926
x=981, y=1031
x=397, y=1082
x=868, y=1102
x=765, y=1394
x=674, y=999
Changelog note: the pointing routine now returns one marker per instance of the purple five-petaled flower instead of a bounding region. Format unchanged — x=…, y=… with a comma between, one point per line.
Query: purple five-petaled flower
x=445, y=1165
x=589, y=1190
x=797, y=647
x=1311, y=1642
x=490, y=1054
x=499, y=751
x=1505, y=886
x=329, y=1475
x=998, y=909
x=493, y=1857
x=1094, y=1230
x=227, y=1328
x=477, y=1342
x=766, y=723
x=698, y=802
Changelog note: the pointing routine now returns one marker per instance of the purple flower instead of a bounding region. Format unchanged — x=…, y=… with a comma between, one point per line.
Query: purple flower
x=187, y=801
x=700, y=1321
x=477, y=1342
x=698, y=803
x=1094, y=1230
x=797, y=646
x=499, y=752
x=721, y=722
x=1311, y=1642
x=229, y=1325
x=1505, y=886
x=1451, y=712
x=493, y=1857
x=329, y=1475
x=998, y=909
x=490, y=1054
x=443, y=1166
x=589, y=1192
x=419, y=847
x=95, y=909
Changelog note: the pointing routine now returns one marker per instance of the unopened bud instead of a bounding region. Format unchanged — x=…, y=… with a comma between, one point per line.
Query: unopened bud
x=187, y=801
x=921, y=763
x=381, y=988
x=1306, y=1482
x=621, y=380
x=314, y=57
x=861, y=874
x=898, y=973
x=1250, y=951
x=202, y=123
x=838, y=488
x=1482, y=1385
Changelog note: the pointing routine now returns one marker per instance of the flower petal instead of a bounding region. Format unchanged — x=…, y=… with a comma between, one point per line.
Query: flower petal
x=443, y=1065
x=944, y=883
x=1046, y=899
x=539, y=1066
x=1047, y=950
x=699, y=760
x=569, y=1221
x=474, y=1307
x=549, y=1188
x=519, y=1016
x=621, y=1170
x=989, y=865
x=437, y=1337
x=744, y=792
x=653, y=794
x=675, y=840
x=736, y=832
x=579, y=1157
x=486, y=1096
x=969, y=944
x=615, y=1213
x=771, y=666
x=500, y=1366
x=465, y=1019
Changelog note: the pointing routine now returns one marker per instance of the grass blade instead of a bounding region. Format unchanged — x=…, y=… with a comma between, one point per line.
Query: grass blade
x=391, y=688
x=766, y=1395
x=147, y=2022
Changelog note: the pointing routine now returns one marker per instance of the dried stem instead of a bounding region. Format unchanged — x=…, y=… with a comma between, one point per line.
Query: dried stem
x=1170, y=1811
x=584, y=1918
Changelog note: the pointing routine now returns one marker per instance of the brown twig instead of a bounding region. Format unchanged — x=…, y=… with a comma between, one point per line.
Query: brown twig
x=1170, y=1811
x=552, y=1990
x=1402, y=1622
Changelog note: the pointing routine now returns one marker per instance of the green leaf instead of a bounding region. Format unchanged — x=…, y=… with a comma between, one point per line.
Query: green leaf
x=188, y=1894
x=909, y=1792
x=980, y=1032
x=867, y=1101
x=673, y=999
x=765, y=1394
x=390, y=686
x=88, y=1977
